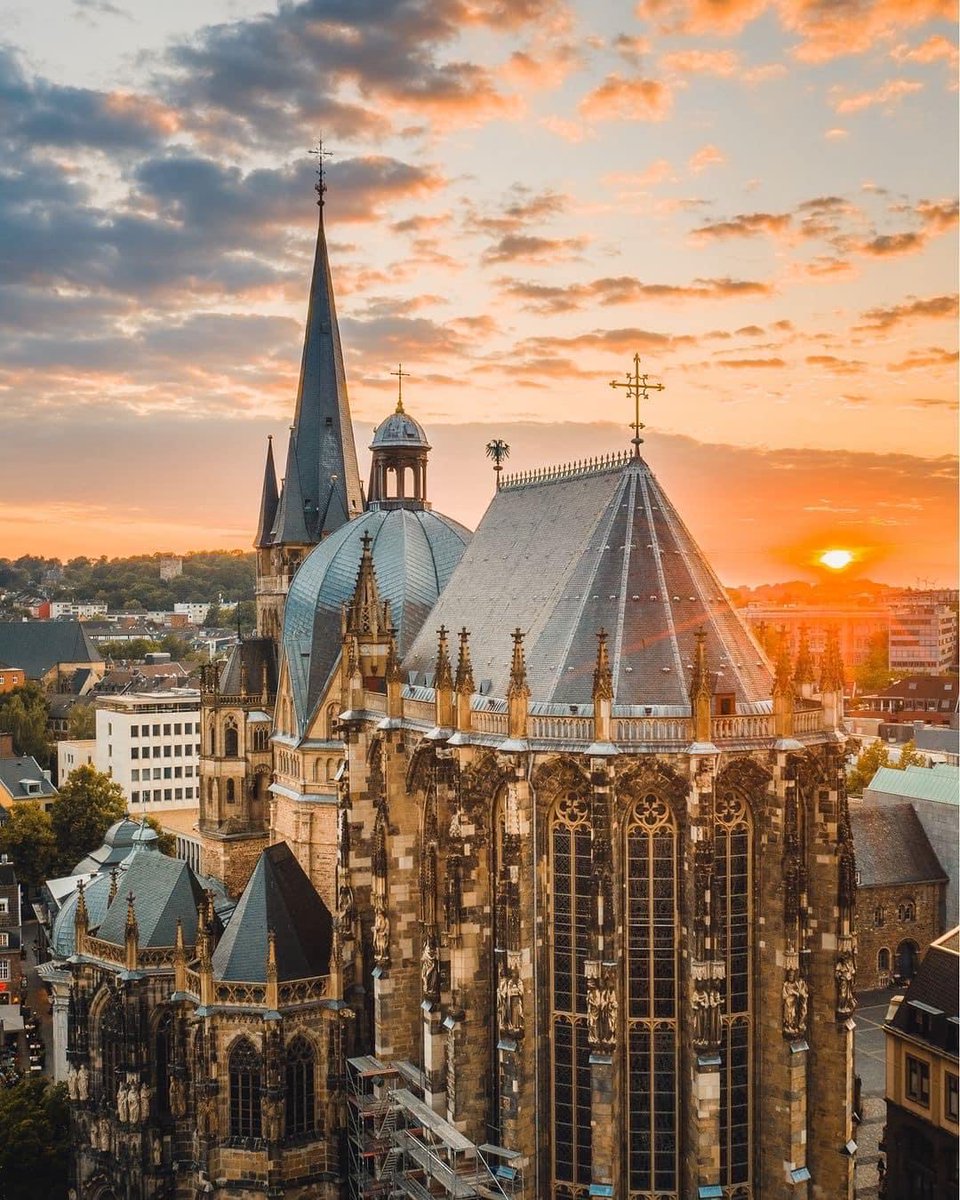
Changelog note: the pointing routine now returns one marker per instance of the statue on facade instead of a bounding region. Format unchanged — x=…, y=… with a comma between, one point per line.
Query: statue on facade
x=122, y=1107
x=430, y=968
x=103, y=1135
x=178, y=1098
x=602, y=1011
x=706, y=1016
x=83, y=1083
x=156, y=1150
x=72, y=1083
x=510, y=1002
x=794, y=1004
x=133, y=1104
x=845, y=973
x=381, y=932
x=145, y=1094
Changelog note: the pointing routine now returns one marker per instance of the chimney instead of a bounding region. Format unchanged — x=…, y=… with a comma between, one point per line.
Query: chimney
x=6, y=745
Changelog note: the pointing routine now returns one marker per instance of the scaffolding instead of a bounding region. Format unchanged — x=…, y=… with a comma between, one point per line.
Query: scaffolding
x=400, y=1147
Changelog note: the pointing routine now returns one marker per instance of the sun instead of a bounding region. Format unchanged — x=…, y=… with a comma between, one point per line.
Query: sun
x=836, y=560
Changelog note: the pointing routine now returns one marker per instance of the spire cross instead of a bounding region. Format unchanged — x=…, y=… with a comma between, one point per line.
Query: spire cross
x=320, y=154
x=401, y=375
x=638, y=384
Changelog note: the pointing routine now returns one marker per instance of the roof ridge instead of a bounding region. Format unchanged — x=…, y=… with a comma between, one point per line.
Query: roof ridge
x=615, y=460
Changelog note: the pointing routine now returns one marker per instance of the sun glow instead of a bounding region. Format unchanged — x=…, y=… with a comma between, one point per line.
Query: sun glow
x=836, y=560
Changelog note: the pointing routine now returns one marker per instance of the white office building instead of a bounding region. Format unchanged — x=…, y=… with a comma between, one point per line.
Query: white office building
x=149, y=742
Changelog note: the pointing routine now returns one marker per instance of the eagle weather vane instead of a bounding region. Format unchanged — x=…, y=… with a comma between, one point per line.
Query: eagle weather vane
x=638, y=384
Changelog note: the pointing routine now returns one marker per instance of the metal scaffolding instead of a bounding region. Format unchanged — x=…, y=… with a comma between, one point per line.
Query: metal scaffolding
x=400, y=1147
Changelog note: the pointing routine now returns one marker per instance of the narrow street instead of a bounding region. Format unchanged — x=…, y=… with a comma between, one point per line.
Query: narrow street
x=870, y=1056
x=36, y=994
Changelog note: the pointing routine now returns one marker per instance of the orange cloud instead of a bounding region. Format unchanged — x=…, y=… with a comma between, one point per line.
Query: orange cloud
x=723, y=63
x=706, y=156
x=620, y=99
x=745, y=225
x=934, y=49
x=935, y=308
x=889, y=93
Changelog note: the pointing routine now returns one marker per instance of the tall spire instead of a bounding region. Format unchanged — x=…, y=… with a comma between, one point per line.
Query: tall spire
x=365, y=615
x=268, y=500
x=322, y=437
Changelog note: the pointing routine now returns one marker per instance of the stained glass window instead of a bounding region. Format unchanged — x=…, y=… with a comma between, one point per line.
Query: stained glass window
x=245, y=1085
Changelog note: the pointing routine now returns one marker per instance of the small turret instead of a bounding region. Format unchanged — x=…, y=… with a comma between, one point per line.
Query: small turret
x=131, y=937
x=783, y=690
x=443, y=682
x=81, y=921
x=602, y=691
x=700, y=692
x=803, y=672
x=463, y=684
x=831, y=682
x=518, y=691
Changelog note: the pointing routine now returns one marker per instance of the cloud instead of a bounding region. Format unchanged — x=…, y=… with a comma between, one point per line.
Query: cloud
x=622, y=99
x=745, y=225
x=889, y=93
x=836, y=366
x=706, y=156
x=886, y=244
x=722, y=63
x=836, y=135
x=742, y=364
x=625, y=289
x=933, y=356
x=933, y=308
x=519, y=247
x=631, y=49
x=936, y=48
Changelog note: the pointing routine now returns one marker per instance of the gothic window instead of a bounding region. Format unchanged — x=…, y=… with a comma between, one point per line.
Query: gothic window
x=652, y=998
x=883, y=961
x=231, y=792
x=231, y=741
x=572, y=886
x=163, y=1060
x=733, y=886
x=212, y=736
x=111, y=1048
x=907, y=911
x=245, y=1084
x=332, y=716
x=300, y=1092
x=261, y=735
x=879, y=916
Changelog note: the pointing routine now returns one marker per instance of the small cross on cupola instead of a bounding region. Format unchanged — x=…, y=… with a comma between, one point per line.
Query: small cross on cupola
x=398, y=473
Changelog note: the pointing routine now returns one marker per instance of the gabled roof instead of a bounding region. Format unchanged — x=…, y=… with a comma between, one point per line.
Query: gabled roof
x=163, y=890
x=938, y=783
x=892, y=848
x=280, y=899
x=246, y=664
x=321, y=488
x=16, y=772
x=933, y=997
x=38, y=646
x=581, y=549
x=920, y=687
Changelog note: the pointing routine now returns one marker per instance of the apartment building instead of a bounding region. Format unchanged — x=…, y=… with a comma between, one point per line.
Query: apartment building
x=923, y=636
x=149, y=742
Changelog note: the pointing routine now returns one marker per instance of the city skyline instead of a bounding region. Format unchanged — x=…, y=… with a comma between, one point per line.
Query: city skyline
x=757, y=200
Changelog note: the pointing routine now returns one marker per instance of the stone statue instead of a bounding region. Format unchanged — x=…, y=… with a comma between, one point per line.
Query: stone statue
x=103, y=1131
x=430, y=969
x=72, y=1083
x=602, y=1012
x=706, y=1016
x=145, y=1094
x=156, y=1151
x=122, y=1108
x=178, y=1098
x=206, y=1114
x=133, y=1104
x=794, y=1004
x=83, y=1083
x=272, y=1120
x=510, y=1002
x=381, y=934
x=845, y=973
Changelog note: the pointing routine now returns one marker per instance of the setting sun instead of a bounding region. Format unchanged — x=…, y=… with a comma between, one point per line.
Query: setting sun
x=836, y=560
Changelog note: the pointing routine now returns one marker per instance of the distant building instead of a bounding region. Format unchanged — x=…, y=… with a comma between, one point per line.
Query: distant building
x=931, y=699
x=182, y=825
x=10, y=678
x=22, y=778
x=934, y=793
x=149, y=743
x=83, y=610
x=56, y=654
x=856, y=628
x=923, y=635
x=74, y=753
x=923, y=1104
x=10, y=941
x=194, y=611
x=171, y=568
x=901, y=896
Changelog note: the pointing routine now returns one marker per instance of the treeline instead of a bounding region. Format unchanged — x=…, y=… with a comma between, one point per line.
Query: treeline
x=133, y=582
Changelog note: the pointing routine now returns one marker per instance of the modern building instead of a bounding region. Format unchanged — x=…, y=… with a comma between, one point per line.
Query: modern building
x=11, y=979
x=855, y=627
x=195, y=612
x=73, y=754
x=934, y=793
x=923, y=635
x=149, y=743
x=901, y=894
x=82, y=610
x=923, y=1079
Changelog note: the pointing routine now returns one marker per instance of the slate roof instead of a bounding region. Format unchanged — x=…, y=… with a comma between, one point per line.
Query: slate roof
x=13, y=771
x=938, y=783
x=321, y=487
x=117, y=844
x=269, y=499
x=163, y=890
x=892, y=848
x=920, y=687
x=63, y=934
x=38, y=646
x=249, y=658
x=935, y=986
x=414, y=555
x=279, y=898
x=562, y=557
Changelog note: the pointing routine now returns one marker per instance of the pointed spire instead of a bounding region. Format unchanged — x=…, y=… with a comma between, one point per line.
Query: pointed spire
x=518, y=691
x=394, y=678
x=81, y=921
x=700, y=690
x=131, y=934
x=113, y=887
x=443, y=682
x=602, y=675
x=290, y=524
x=323, y=444
x=803, y=673
x=463, y=683
x=831, y=668
x=269, y=498
x=364, y=612
x=273, y=991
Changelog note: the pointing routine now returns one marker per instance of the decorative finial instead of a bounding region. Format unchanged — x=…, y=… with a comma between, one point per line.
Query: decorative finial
x=638, y=384
x=320, y=154
x=518, y=667
x=803, y=669
x=602, y=675
x=444, y=676
x=464, y=680
x=401, y=375
x=498, y=450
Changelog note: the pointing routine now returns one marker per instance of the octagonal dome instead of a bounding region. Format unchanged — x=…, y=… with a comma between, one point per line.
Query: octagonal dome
x=399, y=431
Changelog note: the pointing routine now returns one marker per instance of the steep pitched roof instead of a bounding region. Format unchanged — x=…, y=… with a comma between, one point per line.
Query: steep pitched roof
x=38, y=646
x=279, y=899
x=581, y=549
x=163, y=890
x=933, y=997
x=17, y=773
x=892, y=848
x=246, y=664
x=269, y=499
x=322, y=462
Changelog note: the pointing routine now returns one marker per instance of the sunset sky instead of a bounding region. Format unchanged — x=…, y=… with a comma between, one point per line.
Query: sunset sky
x=757, y=196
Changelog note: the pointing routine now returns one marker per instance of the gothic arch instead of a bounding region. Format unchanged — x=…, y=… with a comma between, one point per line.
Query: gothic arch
x=300, y=1069
x=245, y=1070
x=639, y=777
x=231, y=738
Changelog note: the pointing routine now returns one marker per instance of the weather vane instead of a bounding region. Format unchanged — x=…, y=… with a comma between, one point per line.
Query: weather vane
x=401, y=375
x=638, y=384
x=320, y=154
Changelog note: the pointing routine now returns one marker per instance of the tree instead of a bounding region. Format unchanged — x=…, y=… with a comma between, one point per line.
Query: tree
x=88, y=804
x=874, y=674
x=166, y=842
x=910, y=756
x=870, y=760
x=28, y=839
x=24, y=713
x=34, y=1141
x=82, y=722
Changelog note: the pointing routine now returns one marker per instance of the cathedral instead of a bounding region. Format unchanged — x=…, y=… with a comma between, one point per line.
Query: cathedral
x=525, y=873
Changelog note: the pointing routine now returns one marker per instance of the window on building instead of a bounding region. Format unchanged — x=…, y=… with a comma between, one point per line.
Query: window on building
x=168, y=772
x=134, y=751
x=156, y=772
x=178, y=793
x=231, y=741
x=167, y=794
x=245, y=1083
x=166, y=731
x=178, y=772
x=4, y=969
x=188, y=771
x=156, y=731
x=135, y=797
x=178, y=751
x=907, y=911
x=168, y=752
x=883, y=961
x=879, y=916
x=156, y=752
x=951, y=1102
x=188, y=793
x=135, y=775
x=300, y=1089
x=918, y=1081
x=134, y=730
x=4, y=939
x=177, y=729
x=231, y=792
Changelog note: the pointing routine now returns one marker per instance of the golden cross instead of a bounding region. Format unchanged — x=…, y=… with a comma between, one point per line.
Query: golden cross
x=320, y=154
x=401, y=375
x=638, y=384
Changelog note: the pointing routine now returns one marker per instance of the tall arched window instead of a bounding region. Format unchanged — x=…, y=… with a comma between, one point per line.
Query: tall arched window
x=571, y=878
x=212, y=738
x=733, y=921
x=883, y=961
x=261, y=734
x=162, y=1062
x=111, y=1048
x=879, y=916
x=652, y=888
x=231, y=741
x=231, y=792
x=300, y=1088
x=245, y=1085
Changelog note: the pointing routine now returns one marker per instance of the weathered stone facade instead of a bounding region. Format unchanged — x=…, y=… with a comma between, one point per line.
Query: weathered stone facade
x=894, y=925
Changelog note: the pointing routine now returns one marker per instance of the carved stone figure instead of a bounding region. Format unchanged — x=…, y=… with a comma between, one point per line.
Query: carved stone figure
x=145, y=1094
x=133, y=1104
x=430, y=968
x=602, y=1012
x=122, y=1103
x=845, y=973
x=103, y=1135
x=272, y=1120
x=794, y=1004
x=206, y=1114
x=510, y=1002
x=706, y=1016
x=381, y=933
x=83, y=1083
x=178, y=1098
x=72, y=1083
x=156, y=1151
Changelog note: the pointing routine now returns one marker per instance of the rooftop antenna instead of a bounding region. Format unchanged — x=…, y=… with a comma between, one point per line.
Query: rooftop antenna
x=638, y=384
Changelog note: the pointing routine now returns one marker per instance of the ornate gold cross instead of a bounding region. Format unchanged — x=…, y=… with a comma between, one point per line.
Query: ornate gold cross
x=401, y=375
x=320, y=154
x=638, y=384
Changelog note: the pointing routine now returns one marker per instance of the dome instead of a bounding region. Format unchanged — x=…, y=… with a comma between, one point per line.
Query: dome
x=399, y=431
x=62, y=935
x=414, y=554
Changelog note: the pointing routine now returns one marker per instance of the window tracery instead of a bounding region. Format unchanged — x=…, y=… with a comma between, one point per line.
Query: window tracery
x=245, y=1086
x=300, y=1072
